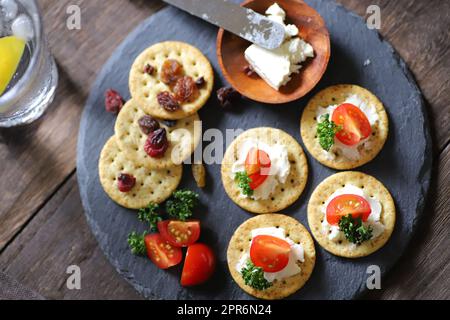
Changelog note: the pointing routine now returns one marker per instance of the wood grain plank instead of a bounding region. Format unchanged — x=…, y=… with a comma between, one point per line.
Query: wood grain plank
x=57, y=238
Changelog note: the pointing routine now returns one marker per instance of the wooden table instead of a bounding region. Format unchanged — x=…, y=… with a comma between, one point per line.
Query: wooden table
x=43, y=229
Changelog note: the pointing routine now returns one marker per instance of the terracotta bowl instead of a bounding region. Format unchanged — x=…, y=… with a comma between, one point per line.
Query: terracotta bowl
x=230, y=52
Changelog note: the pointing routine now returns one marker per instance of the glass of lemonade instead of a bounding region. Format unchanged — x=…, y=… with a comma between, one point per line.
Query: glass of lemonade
x=28, y=74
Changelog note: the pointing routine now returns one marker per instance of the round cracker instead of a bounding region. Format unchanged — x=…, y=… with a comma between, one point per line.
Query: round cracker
x=151, y=185
x=373, y=188
x=144, y=87
x=240, y=243
x=183, y=138
x=336, y=95
x=284, y=194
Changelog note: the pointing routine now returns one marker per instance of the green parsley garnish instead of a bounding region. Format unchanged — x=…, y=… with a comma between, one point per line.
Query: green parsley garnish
x=354, y=230
x=181, y=204
x=326, y=130
x=243, y=181
x=150, y=216
x=254, y=277
x=136, y=243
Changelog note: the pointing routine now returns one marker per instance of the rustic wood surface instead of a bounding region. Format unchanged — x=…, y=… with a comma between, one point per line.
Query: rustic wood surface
x=43, y=229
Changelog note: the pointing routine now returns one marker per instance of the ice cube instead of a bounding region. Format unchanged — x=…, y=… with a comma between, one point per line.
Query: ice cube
x=9, y=8
x=22, y=27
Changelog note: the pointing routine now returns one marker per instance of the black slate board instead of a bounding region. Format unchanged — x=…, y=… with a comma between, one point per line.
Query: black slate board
x=404, y=164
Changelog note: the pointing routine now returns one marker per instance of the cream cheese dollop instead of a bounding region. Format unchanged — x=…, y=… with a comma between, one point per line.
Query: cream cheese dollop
x=279, y=168
x=334, y=233
x=296, y=255
x=350, y=152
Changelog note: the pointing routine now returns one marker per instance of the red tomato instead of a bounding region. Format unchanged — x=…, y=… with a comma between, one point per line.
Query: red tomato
x=346, y=204
x=257, y=180
x=162, y=253
x=199, y=265
x=256, y=161
x=355, y=125
x=270, y=253
x=179, y=233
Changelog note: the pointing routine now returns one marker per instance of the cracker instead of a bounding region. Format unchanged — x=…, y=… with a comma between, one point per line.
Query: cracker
x=372, y=187
x=336, y=95
x=240, y=243
x=151, y=185
x=144, y=87
x=183, y=138
x=284, y=194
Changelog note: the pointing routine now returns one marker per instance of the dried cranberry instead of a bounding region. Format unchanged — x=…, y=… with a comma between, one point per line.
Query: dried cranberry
x=185, y=90
x=168, y=101
x=171, y=71
x=157, y=143
x=113, y=101
x=170, y=123
x=148, y=124
x=126, y=182
x=249, y=71
x=149, y=69
x=227, y=97
x=200, y=82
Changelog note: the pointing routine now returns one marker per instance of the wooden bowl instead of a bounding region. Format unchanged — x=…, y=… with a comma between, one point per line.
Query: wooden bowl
x=230, y=52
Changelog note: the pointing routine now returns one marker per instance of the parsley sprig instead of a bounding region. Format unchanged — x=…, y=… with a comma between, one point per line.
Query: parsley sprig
x=150, y=215
x=182, y=204
x=136, y=243
x=254, y=277
x=243, y=182
x=354, y=230
x=326, y=130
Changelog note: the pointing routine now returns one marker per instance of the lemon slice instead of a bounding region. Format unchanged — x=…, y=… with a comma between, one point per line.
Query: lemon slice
x=11, y=51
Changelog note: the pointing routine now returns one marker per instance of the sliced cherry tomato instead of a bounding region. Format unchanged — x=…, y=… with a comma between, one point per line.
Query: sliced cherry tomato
x=346, y=204
x=199, y=265
x=256, y=161
x=257, y=180
x=354, y=123
x=162, y=253
x=270, y=253
x=179, y=233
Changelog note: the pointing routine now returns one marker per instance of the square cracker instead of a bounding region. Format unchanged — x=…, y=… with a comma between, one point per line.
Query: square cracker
x=151, y=185
x=144, y=87
x=373, y=188
x=284, y=194
x=240, y=243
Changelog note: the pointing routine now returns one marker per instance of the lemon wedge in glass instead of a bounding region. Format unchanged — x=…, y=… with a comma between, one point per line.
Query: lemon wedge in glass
x=11, y=51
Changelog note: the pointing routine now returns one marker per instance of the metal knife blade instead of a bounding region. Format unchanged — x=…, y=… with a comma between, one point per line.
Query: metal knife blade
x=243, y=22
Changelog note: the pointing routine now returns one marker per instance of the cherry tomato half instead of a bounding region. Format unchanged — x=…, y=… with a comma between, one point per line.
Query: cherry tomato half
x=354, y=123
x=346, y=204
x=179, y=233
x=257, y=179
x=199, y=265
x=256, y=161
x=162, y=253
x=270, y=253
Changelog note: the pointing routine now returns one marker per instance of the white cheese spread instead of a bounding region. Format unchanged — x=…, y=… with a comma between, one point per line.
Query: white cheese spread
x=296, y=255
x=279, y=166
x=277, y=66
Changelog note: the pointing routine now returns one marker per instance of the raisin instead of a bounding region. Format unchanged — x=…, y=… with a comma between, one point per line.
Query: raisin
x=170, y=123
x=171, y=71
x=200, y=82
x=126, y=182
x=185, y=90
x=168, y=101
x=227, y=97
x=149, y=69
x=148, y=124
x=113, y=101
x=157, y=143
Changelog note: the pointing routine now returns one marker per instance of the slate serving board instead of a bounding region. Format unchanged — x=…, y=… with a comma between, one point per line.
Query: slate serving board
x=404, y=165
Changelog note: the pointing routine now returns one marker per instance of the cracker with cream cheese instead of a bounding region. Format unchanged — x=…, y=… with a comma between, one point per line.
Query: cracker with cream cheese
x=240, y=243
x=336, y=95
x=372, y=188
x=144, y=88
x=151, y=185
x=285, y=194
